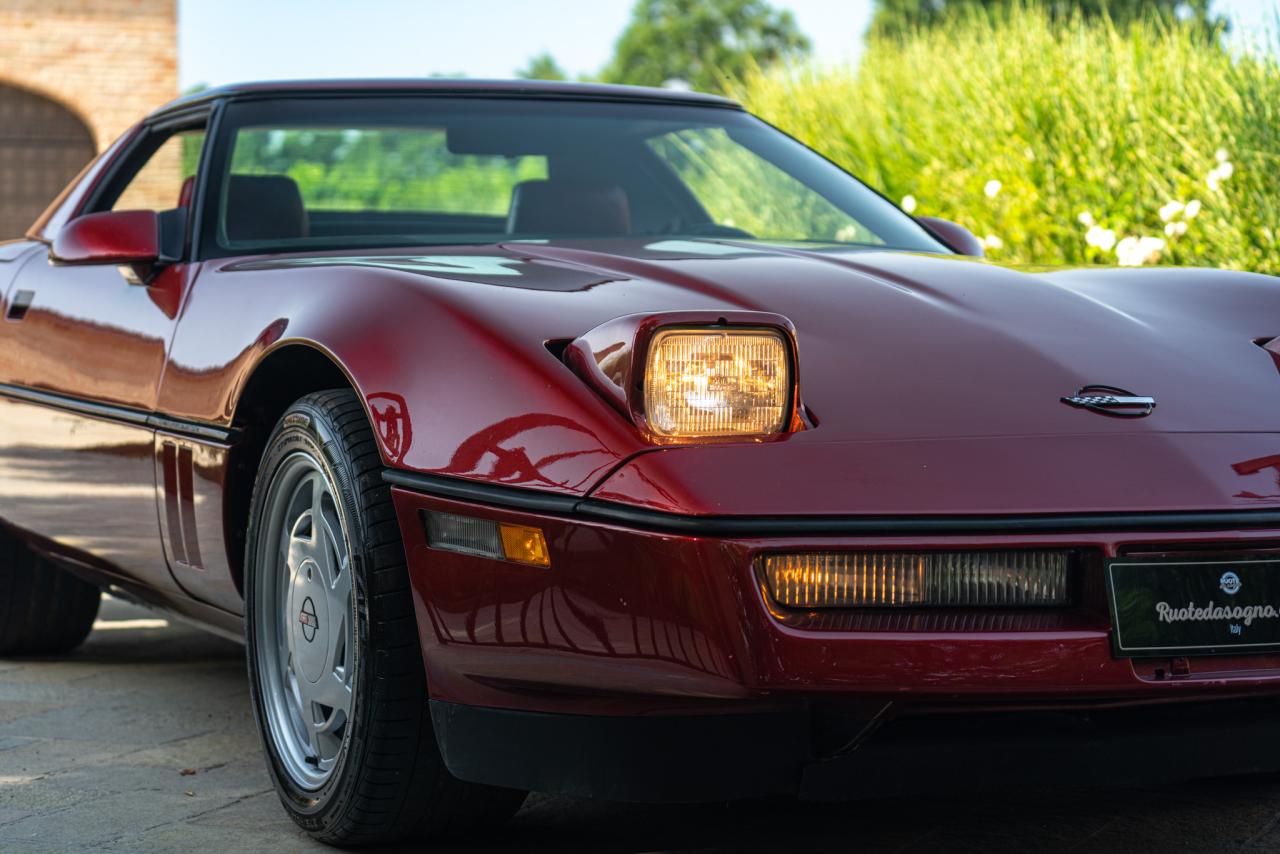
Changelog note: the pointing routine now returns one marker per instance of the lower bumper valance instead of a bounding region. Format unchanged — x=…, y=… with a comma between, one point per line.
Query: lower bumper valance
x=719, y=757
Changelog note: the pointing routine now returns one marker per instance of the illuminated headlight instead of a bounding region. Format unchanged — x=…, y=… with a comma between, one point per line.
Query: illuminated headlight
x=1014, y=579
x=717, y=382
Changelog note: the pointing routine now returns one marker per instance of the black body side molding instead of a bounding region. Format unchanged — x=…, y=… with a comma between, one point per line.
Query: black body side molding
x=591, y=509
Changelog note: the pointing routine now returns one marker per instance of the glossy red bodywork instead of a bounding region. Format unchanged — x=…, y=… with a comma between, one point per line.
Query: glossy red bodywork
x=929, y=385
x=954, y=235
x=626, y=622
x=111, y=237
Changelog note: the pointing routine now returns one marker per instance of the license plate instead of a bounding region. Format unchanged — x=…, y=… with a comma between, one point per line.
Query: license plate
x=1194, y=607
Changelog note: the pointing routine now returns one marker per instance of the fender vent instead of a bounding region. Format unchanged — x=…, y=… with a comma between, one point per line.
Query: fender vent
x=179, y=504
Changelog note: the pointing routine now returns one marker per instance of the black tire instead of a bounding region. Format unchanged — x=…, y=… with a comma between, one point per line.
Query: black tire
x=44, y=610
x=387, y=780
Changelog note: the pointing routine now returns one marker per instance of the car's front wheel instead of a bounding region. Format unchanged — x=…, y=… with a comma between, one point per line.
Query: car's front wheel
x=335, y=669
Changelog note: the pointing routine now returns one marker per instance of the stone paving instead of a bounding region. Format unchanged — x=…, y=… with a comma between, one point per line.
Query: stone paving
x=143, y=741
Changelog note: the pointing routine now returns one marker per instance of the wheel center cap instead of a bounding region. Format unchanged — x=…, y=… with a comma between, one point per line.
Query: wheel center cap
x=308, y=617
x=310, y=623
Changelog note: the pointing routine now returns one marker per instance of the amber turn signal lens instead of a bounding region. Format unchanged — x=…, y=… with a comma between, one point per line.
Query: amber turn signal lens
x=524, y=545
x=717, y=382
x=1012, y=579
x=486, y=538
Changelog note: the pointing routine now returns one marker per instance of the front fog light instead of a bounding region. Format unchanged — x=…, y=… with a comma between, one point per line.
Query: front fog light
x=1013, y=579
x=720, y=381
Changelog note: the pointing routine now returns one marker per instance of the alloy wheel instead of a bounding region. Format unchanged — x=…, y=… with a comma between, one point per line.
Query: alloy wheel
x=307, y=657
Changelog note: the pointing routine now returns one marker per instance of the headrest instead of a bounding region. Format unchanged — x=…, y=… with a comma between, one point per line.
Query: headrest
x=265, y=207
x=188, y=190
x=568, y=207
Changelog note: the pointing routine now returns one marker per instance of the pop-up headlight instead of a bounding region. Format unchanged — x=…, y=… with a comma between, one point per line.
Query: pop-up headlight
x=694, y=376
x=723, y=381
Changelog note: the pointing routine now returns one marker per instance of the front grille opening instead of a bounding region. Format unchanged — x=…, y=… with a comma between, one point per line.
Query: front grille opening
x=1014, y=579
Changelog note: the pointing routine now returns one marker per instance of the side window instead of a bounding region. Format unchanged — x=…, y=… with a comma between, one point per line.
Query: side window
x=383, y=170
x=162, y=181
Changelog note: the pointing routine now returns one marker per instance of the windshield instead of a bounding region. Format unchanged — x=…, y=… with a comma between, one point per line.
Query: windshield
x=329, y=173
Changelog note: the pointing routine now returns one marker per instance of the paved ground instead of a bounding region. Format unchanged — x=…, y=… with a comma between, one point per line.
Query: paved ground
x=143, y=742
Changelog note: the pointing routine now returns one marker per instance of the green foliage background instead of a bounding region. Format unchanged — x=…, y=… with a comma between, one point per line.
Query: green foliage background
x=1070, y=117
x=699, y=41
x=902, y=17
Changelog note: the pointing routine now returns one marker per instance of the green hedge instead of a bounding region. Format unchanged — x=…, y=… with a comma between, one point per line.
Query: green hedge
x=1068, y=143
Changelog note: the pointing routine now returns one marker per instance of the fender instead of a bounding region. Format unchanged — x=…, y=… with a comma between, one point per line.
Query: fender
x=447, y=389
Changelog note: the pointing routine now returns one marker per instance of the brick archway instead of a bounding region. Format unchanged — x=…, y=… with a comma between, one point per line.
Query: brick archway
x=106, y=63
x=43, y=145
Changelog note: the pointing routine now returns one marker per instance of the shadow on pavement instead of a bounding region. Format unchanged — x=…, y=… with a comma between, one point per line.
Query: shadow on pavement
x=178, y=697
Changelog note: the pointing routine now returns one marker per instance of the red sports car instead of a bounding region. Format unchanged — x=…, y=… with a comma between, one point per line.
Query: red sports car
x=610, y=442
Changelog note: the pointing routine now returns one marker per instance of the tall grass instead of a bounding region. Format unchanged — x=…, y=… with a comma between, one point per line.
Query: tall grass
x=1055, y=142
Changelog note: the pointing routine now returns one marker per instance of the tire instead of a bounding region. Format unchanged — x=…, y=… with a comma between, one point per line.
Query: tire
x=335, y=669
x=44, y=610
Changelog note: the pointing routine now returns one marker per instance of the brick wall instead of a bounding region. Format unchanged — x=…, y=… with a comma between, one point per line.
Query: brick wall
x=109, y=61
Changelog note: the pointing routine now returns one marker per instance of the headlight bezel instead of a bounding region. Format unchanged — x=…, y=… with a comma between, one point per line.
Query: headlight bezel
x=613, y=359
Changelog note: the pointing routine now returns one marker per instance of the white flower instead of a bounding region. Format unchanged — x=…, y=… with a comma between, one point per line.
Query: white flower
x=992, y=189
x=1218, y=174
x=1125, y=251
x=1170, y=210
x=992, y=242
x=909, y=204
x=1221, y=155
x=1193, y=209
x=1175, y=229
x=1086, y=219
x=1136, y=251
x=1100, y=238
x=1152, y=246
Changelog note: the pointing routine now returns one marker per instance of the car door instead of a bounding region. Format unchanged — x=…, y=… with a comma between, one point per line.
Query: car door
x=81, y=357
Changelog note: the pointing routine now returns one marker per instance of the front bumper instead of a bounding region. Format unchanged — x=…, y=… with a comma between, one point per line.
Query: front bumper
x=693, y=758
x=635, y=635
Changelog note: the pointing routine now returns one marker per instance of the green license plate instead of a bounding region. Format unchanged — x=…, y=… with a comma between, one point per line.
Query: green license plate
x=1211, y=606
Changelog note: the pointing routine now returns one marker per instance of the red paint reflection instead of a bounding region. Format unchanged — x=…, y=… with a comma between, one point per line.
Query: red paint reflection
x=508, y=451
x=391, y=423
x=1256, y=466
x=558, y=618
x=166, y=291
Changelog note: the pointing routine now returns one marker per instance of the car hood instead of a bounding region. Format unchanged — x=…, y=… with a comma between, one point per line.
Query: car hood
x=906, y=346
x=908, y=361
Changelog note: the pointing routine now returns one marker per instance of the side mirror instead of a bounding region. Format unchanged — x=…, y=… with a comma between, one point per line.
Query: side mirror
x=954, y=235
x=111, y=237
